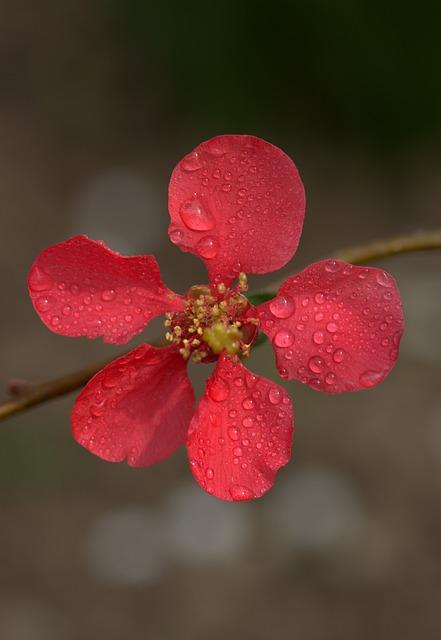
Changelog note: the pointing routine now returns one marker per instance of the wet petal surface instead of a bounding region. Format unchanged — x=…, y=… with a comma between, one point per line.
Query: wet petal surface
x=137, y=408
x=241, y=433
x=335, y=326
x=238, y=203
x=81, y=288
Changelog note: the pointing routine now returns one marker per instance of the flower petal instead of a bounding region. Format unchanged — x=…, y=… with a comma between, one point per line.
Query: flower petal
x=137, y=408
x=335, y=326
x=241, y=433
x=238, y=203
x=81, y=288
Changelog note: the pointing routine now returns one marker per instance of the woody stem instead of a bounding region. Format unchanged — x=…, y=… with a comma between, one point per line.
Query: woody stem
x=39, y=393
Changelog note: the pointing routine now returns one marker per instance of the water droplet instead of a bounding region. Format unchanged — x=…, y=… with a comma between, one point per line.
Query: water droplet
x=240, y=492
x=43, y=304
x=251, y=380
x=319, y=298
x=96, y=410
x=175, y=235
x=383, y=279
x=318, y=337
x=239, y=382
x=370, y=378
x=218, y=390
x=331, y=327
x=207, y=247
x=281, y=307
x=283, y=338
x=274, y=395
x=196, y=216
x=330, y=378
x=331, y=266
x=209, y=473
x=39, y=280
x=233, y=433
x=108, y=295
x=192, y=162
x=226, y=187
x=55, y=321
x=248, y=403
x=339, y=355
x=247, y=422
x=112, y=380
x=316, y=364
x=237, y=451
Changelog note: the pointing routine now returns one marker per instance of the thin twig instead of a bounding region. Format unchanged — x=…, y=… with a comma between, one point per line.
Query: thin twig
x=420, y=241
x=39, y=393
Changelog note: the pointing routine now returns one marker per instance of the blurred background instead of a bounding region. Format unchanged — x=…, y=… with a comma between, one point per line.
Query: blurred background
x=98, y=102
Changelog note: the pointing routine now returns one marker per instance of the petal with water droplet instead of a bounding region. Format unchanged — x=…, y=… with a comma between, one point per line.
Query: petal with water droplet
x=347, y=326
x=145, y=406
x=101, y=291
x=255, y=432
x=253, y=205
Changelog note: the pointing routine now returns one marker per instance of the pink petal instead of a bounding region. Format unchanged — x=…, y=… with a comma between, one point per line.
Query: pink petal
x=334, y=326
x=241, y=433
x=137, y=408
x=81, y=288
x=238, y=203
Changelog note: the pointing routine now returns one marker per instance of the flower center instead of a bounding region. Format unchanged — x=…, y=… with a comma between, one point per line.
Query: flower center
x=213, y=321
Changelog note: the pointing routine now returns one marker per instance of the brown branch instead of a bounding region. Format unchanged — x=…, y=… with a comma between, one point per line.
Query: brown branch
x=39, y=393
x=420, y=241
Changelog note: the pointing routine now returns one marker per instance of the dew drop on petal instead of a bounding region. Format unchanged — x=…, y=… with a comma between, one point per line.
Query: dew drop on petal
x=195, y=216
x=283, y=338
x=281, y=307
x=331, y=266
x=218, y=390
x=383, y=279
x=338, y=355
x=176, y=235
x=240, y=492
x=40, y=281
x=207, y=247
x=370, y=378
x=318, y=337
x=316, y=364
x=331, y=327
x=274, y=395
x=108, y=295
x=330, y=378
x=192, y=162
x=248, y=403
x=43, y=304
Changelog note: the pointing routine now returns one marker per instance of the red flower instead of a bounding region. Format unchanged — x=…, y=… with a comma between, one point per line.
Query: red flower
x=238, y=203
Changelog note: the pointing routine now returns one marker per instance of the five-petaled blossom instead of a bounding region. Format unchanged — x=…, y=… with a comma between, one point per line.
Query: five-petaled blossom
x=238, y=203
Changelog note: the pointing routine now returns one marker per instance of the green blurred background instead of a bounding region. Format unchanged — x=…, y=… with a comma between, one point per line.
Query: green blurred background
x=98, y=102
